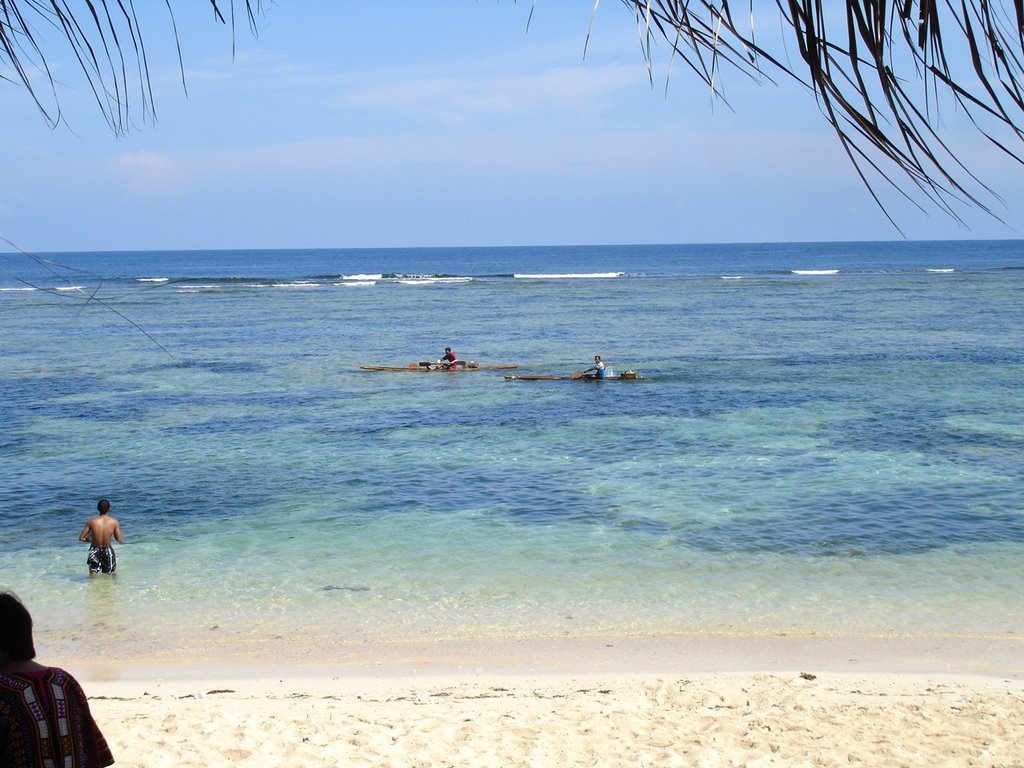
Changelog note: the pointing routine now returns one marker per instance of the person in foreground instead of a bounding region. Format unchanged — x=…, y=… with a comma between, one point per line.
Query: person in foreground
x=44, y=714
x=99, y=530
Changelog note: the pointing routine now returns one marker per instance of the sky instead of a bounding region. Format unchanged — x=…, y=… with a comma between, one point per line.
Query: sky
x=460, y=123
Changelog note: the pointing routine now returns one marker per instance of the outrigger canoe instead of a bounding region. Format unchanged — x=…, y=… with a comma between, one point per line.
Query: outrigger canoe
x=456, y=367
x=625, y=376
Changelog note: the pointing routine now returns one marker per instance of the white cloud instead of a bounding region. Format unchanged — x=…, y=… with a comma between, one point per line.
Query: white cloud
x=463, y=99
x=152, y=176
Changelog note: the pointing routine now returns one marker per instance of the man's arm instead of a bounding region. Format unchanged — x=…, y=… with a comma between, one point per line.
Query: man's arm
x=117, y=531
x=84, y=535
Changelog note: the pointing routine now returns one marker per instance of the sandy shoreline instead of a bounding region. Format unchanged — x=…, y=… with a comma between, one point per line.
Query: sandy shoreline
x=555, y=720
x=594, y=702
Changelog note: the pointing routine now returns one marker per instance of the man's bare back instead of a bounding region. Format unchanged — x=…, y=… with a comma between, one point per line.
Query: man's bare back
x=99, y=531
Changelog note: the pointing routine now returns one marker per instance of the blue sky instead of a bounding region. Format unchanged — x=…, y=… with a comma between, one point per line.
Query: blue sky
x=443, y=124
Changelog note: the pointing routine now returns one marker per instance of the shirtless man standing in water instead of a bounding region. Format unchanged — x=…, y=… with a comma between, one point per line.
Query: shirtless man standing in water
x=99, y=531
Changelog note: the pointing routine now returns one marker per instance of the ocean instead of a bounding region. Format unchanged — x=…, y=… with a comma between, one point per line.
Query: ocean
x=827, y=440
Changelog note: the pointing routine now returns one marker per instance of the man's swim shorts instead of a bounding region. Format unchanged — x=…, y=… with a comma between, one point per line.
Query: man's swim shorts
x=101, y=560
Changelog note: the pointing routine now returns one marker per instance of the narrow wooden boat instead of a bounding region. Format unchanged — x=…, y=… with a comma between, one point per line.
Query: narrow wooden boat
x=625, y=376
x=457, y=367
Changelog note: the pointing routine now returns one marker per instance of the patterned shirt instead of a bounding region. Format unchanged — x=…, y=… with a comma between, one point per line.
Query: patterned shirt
x=45, y=723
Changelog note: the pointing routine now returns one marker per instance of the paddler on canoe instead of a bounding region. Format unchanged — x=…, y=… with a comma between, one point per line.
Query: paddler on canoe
x=598, y=370
x=447, y=361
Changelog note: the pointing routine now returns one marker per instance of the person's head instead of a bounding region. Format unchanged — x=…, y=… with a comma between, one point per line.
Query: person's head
x=103, y=506
x=447, y=349
x=15, y=629
x=597, y=358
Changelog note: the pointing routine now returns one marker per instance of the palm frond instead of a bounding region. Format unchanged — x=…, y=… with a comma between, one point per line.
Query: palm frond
x=105, y=38
x=880, y=72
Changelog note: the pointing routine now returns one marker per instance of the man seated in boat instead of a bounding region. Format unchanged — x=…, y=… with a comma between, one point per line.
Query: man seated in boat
x=598, y=370
x=447, y=361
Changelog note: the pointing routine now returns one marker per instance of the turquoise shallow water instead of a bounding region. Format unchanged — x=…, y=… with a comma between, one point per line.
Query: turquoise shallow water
x=828, y=440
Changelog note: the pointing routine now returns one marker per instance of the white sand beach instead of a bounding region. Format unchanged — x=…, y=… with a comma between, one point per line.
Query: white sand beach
x=413, y=713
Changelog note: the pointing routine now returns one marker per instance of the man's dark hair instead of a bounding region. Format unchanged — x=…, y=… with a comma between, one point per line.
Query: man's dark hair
x=15, y=629
x=103, y=506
